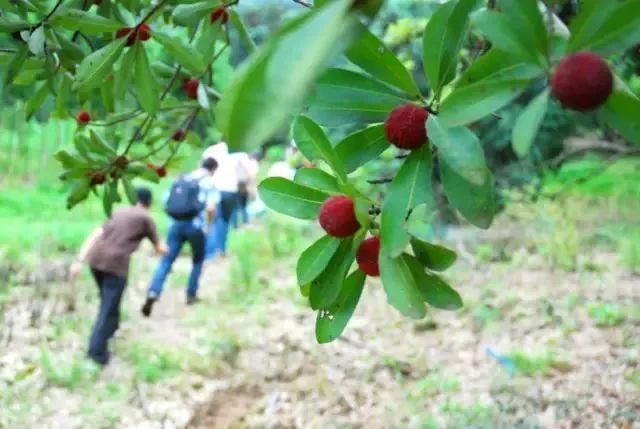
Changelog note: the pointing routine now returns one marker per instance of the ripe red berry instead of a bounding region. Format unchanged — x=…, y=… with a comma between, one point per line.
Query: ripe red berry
x=367, y=256
x=161, y=171
x=83, y=117
x=121, y=162
x=126, y=31
x=144, y=32
x=220, y=14
x=178, y=135
x=405, y=126
x=190, y=87
x=582, y=81
x=97, y=178
x=338, y=217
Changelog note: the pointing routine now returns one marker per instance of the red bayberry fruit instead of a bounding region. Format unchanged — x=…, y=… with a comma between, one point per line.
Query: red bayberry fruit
x=83, y=117
x=178, y=135
x=582, y=81
x=220, y=14
x=405, y=126
x=129, y=33
x=190, y=87
x=161, y=171
x=121, y=162
x=367, y=256
x=338, y=217
x=97, y=178
x=144, y=32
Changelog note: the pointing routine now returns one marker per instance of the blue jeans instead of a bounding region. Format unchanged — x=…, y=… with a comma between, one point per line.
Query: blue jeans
x=110, y=288
x=217, y=239
x=179, y=232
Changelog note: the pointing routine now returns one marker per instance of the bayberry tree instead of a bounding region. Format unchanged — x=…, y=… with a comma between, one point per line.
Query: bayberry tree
x=323, y=69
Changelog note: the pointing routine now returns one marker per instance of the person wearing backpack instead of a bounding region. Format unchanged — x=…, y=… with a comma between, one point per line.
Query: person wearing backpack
x=191, y=205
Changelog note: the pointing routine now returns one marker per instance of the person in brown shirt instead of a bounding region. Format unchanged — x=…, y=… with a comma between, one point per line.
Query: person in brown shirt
x=108, y=251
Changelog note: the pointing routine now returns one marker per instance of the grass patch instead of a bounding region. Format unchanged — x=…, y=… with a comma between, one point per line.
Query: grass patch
x=68, y=374
x=152, y=363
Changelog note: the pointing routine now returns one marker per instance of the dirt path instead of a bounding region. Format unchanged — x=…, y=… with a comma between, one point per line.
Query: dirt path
x=237, y=362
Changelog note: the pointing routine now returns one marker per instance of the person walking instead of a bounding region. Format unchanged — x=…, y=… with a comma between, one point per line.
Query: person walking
x=108, y=252
x=191, y=205
x=247, y=166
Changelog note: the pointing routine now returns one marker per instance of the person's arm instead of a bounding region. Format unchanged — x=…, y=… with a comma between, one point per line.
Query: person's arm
x=76, y=266
x=152, y=234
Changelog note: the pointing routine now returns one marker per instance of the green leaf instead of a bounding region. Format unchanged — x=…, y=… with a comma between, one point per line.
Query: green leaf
x=606, y=28
x=273, y=83
x=16, y=63
x=189, y=14
x=206, y=42
x=314, y=144
x=108, y=198
x=10, y=24
x=528, y=123
x=526, y=18
x=371, y=55
x=400, y=286
x=79, y=192
x=130, y=190
x=505, y=35
x=94, y=68
x=433, y=256
x=100, y=145
x=435, y=291
x=292, y=199
x=314, y=260
x=499, y=65
x=106, y=92
x=622, y=112
x=410, y=187
x=147, y=88
x=362, y=146
x=460, y=148
x=343, y=96
x=85, y=22
x=475, y=202
x=184, y=54
x=69, y=161
x=442, y=40
x=420, y=221
x=325, y=288
x=331, y=322
x=317, y=179
x=126, y=71
x=243, y=33
x=35, y=101
x=478, y=99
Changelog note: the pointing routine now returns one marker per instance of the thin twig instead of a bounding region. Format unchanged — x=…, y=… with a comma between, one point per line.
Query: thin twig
x=50, y=14
x=75, y=35
x=302, y=3
x=380, y=181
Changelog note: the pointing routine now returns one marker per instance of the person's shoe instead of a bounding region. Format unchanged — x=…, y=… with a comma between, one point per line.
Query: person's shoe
x=192, y=300
x=148, y=306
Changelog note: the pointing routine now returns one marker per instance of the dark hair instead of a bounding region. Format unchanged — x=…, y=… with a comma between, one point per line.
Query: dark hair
x=144, y=196
x=209, y=164
x=257, y=155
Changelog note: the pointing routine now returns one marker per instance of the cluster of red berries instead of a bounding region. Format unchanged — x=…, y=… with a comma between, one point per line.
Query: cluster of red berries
x=338, y=218
x=142, y=32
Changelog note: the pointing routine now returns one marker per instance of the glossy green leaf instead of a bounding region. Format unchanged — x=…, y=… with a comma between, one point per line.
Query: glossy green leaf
x=85, y=22
x=100, y=145
x=289, y=198
x=505, y=35
x=526, y=18
x=433, y=256
x=371, y=55
x=314, y=144
x=15, y=65
x=434, y=290
x=317, y=179
x=79, y=192
x=206, y=43
x=527, y=124
x=273, y=83
x=184, y=54
x=326, y=288
x=12, y=24
x=442, y=40
x=400, y=287
x=460, y=148
x=477, y=99
x=243, y=32
x=411, y=186
x=622, y=112
x=476, y=203
x=35, y=101
x=362, y=146
x=125, y=71
x=147, y=88
x=314, y=259
x=130, y=190
x=343, y=96
x=330, y=323
x=95, y=67
x=69, y=161
x=605, y=27
x=420, y=222
x=189, y=14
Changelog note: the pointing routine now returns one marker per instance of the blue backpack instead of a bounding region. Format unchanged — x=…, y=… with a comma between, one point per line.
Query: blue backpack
x=184, y=199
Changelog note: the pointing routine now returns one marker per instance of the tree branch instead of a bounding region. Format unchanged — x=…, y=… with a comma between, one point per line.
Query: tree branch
x=302, y=3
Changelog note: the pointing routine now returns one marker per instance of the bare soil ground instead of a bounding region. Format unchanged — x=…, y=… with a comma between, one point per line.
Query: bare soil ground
x=534, y=347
